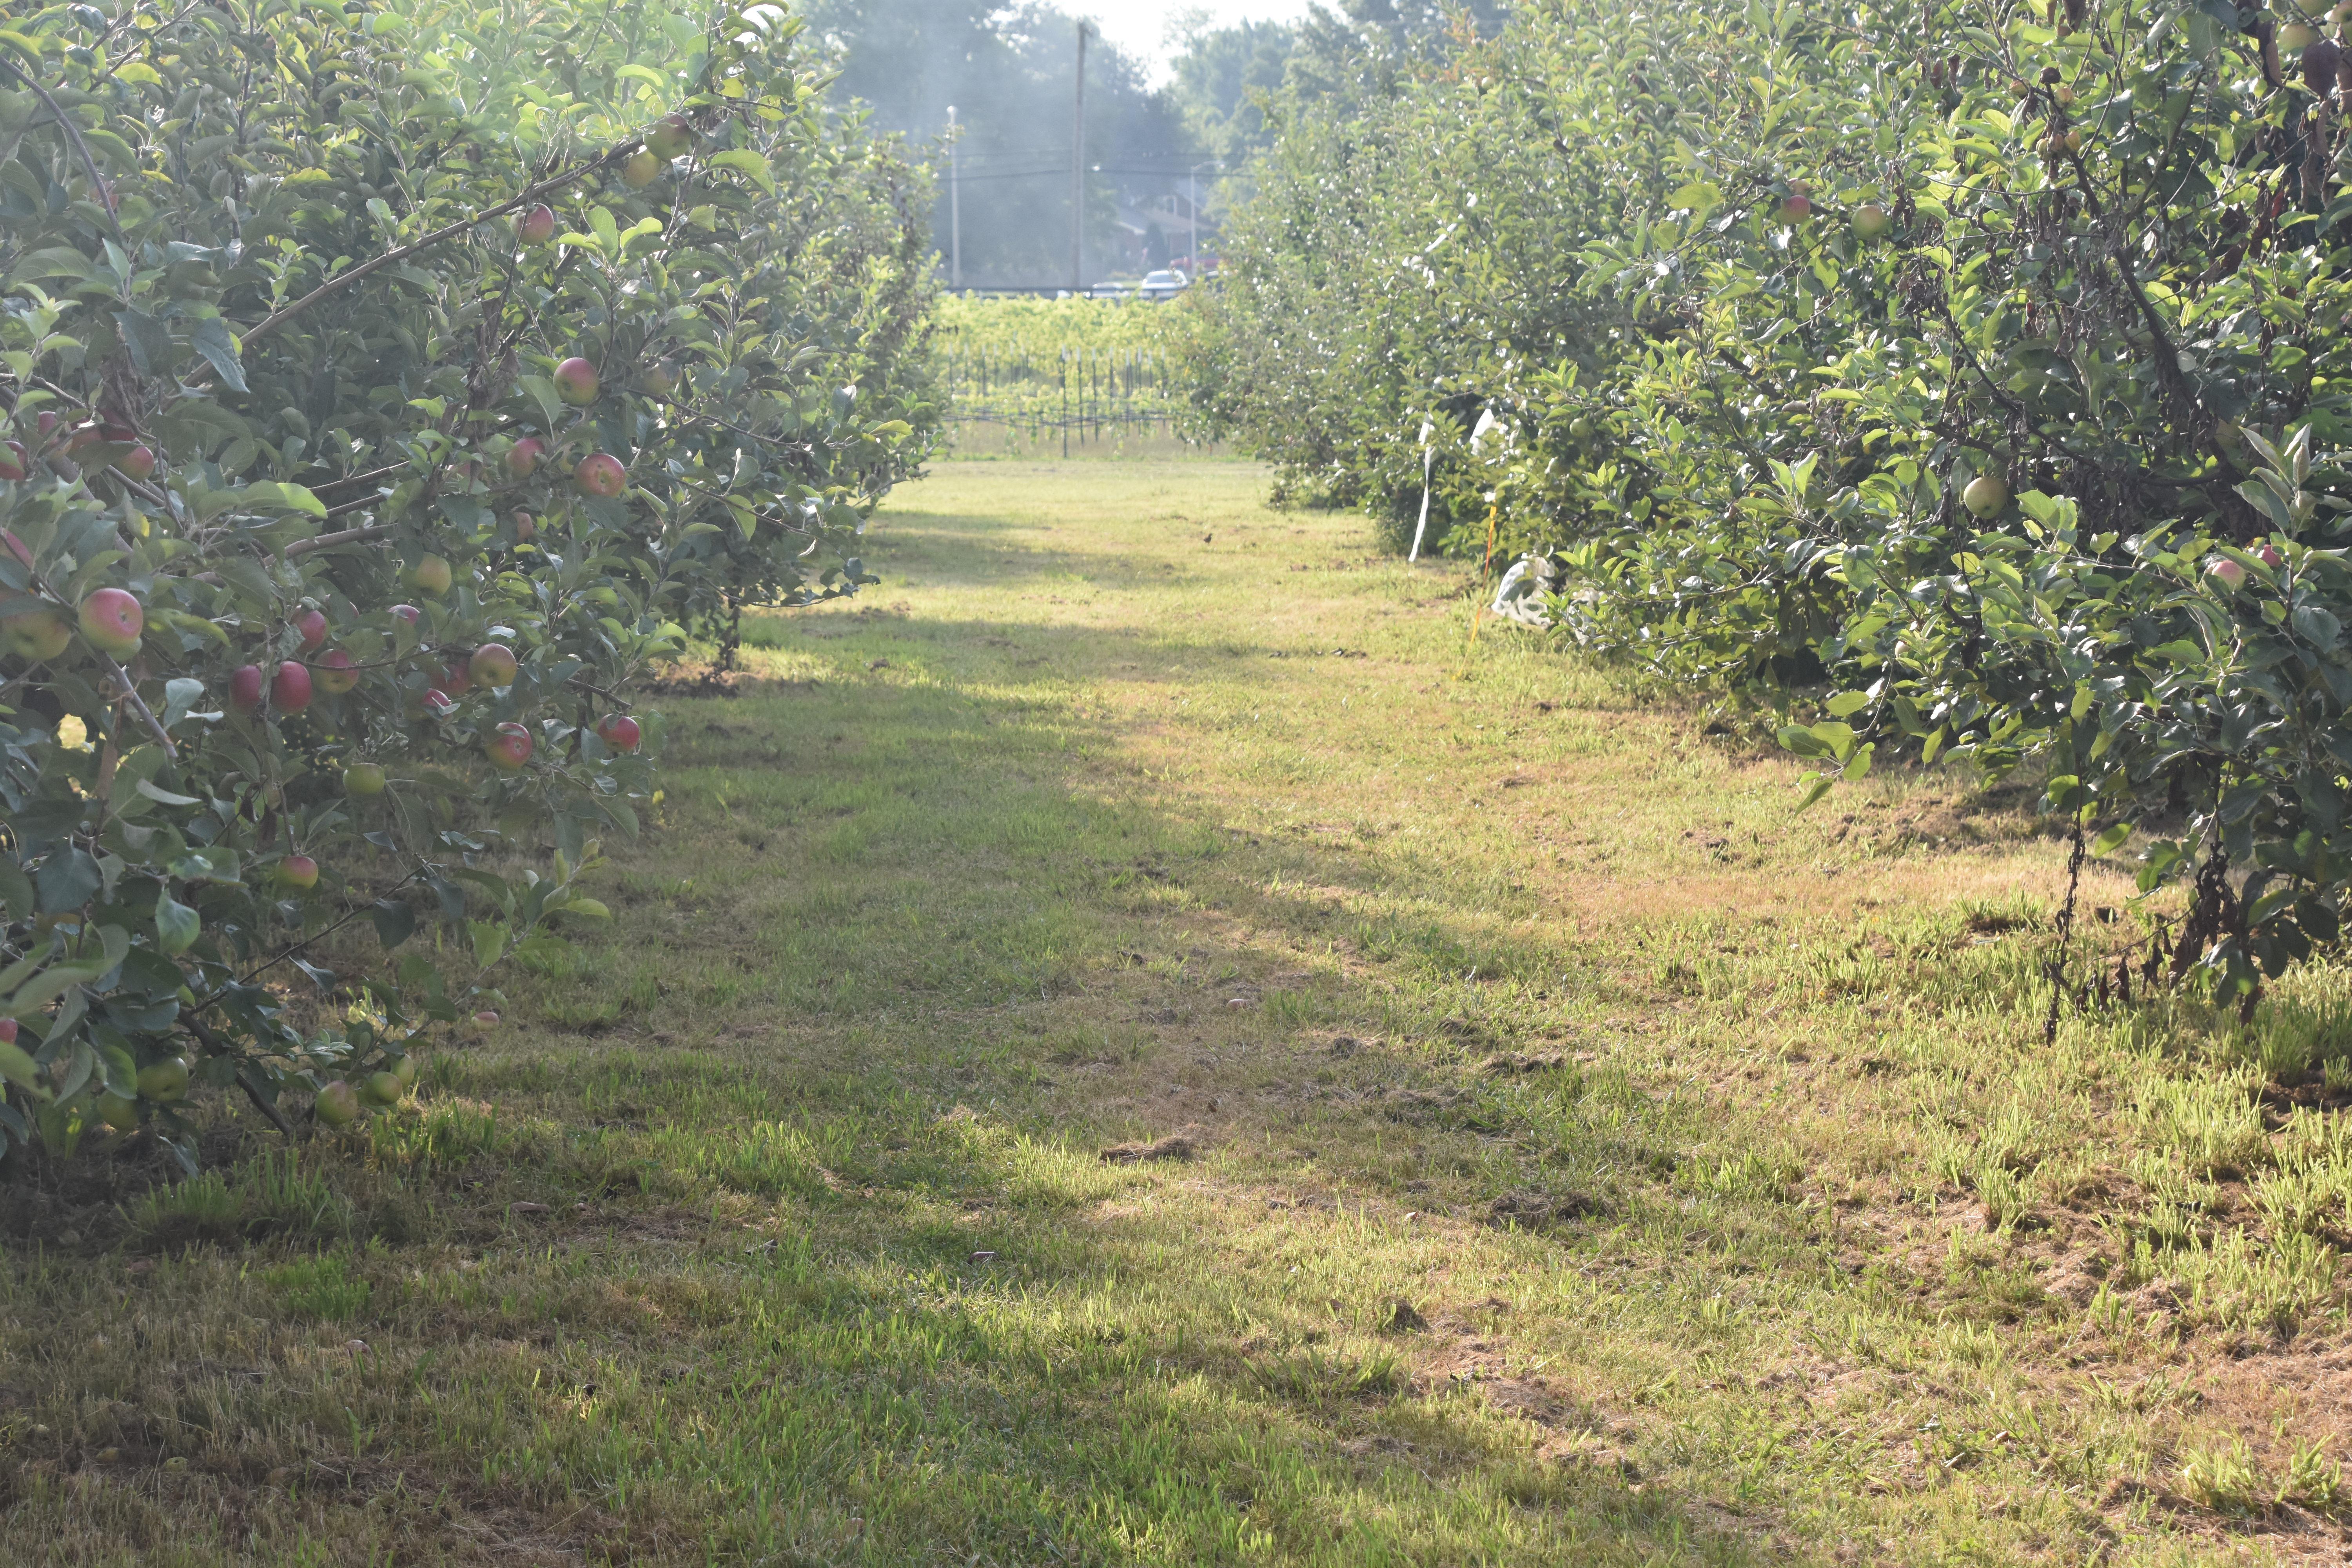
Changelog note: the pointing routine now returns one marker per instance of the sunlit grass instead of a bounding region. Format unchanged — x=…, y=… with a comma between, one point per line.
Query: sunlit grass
x=1596, y=1161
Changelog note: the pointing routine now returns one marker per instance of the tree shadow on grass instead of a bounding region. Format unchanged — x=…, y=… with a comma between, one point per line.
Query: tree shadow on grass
x=727, y=1277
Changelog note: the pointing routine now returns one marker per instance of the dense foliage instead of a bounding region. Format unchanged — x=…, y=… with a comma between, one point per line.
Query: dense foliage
x=566, y=328
x=1966, y=379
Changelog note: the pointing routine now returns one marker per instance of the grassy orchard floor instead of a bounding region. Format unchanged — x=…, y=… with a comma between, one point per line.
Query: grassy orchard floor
x=1596, y=1162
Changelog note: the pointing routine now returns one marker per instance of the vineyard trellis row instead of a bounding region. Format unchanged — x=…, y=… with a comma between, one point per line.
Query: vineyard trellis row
x=1087, y=371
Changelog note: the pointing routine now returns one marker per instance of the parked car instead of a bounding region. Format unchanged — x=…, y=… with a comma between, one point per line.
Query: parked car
x=1107, y=290
x=1164, y=285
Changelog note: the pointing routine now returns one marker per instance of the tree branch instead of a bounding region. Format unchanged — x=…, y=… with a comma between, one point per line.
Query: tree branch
x=344, y=280
x=215, y=1045
x=98, y=186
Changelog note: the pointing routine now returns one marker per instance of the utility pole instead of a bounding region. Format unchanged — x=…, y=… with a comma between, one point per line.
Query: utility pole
x=1193, y=176
x=955, y=203
x=1079, y=171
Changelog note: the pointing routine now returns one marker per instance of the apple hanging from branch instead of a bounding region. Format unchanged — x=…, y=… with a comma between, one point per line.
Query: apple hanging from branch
x=111, y=619
x=508, y=747
x=493, y=665
x=601, y=474
x=575, y=381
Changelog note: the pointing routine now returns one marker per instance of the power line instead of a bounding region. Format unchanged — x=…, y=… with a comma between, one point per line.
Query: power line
x=1056, y=173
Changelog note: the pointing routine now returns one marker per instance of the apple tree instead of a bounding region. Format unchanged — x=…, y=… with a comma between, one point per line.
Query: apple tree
x=385, y=389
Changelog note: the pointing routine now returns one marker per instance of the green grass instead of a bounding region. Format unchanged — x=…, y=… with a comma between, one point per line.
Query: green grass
x=1595, y=1162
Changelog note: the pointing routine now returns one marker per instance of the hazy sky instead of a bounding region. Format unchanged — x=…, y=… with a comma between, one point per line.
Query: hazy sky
x=1146, y=31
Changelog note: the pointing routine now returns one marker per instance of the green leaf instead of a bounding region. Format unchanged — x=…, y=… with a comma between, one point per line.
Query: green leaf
x=1818, y=788
x=214, y=340
x=1838, y=738
x=149, y=341
x=1803, y=741
x=272, y=495
x=164, y=797
x=176, y=925
x=15, y=888
x=394, y=921
x=1846, y=703
x=542, y=392
x=746, y=163
x=21, y=1071
x=50, y=983
x=592, y=908
x=489, y=938
x=179, y=696
x=2110, y=841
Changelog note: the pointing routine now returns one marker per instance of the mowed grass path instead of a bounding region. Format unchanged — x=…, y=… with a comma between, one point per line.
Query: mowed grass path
x=1565, y=1152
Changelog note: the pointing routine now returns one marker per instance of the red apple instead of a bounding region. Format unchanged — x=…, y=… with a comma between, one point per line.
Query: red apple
x=431, y=573
x=289, y=690
x=11, y=465
x=670, y=137
x=525, y=456
x=313, y=628
x=2232, y=574
x=525, y=525
x=334, y=672
x=408, y=613
x=1871, y=221
x=36, y=636
x=575, y=381
x=601, y=474
x=619, y=731
x=8, y=1031
x=508, y=747
x=536, y=226
x=492, y=665
x=363, y=778
x=299, y=872
x=661, y=378
x=245, y=688
x=112, y=620
x=439, y=703
x=16, y=547
x=83, y=437
x=139, y=462
x=2271, y=558
x=638, y=169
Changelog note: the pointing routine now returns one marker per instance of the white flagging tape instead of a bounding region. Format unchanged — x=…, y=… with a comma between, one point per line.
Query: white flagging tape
x=1428, y=458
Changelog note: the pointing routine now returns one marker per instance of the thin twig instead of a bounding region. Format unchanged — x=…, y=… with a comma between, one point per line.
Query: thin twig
x=329, y=540
x=324, y=932
x=139, y=706
x=215, y=1045
x=2057, y=969
x=337, y=484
